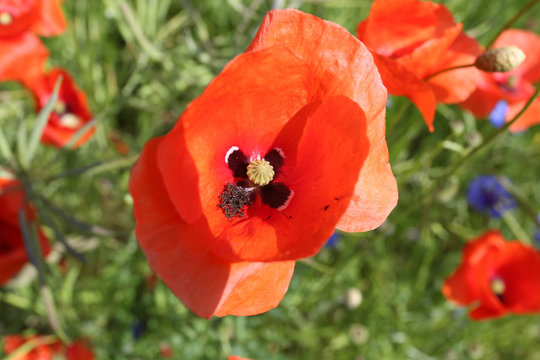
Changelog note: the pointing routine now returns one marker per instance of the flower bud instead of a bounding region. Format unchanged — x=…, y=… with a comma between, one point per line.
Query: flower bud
x=500, y=59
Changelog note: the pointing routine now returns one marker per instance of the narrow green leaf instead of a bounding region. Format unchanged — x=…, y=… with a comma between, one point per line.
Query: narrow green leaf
x=5, y=150
x=31, y=244
x=41, y=122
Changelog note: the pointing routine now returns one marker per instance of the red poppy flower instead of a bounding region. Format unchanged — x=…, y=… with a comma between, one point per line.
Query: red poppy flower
x=22, y=53
x=71, y=112
x=45, y=350
x=234, y=357
x=514, y=87
x=261, y=167
x=411, y=40
x=12, y=250
x=496, y=277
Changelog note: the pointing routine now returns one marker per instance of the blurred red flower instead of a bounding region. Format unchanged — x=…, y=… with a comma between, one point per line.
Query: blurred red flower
x=234, y=357
x=261, y=167
x=45, y=350
x=496, y=277
x=411, y=40
x=514, y=87
x=22, y=54
x=71, y=112
x=13, y=254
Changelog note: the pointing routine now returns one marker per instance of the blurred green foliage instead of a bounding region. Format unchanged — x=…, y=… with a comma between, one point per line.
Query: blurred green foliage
x=140, y=63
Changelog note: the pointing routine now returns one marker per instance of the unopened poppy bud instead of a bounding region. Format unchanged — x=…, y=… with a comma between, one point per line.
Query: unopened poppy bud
x=500, y=59
x=260, y=172
x=5, y=18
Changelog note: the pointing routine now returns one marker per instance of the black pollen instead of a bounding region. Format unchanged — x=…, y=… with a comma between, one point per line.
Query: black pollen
x=233, y=200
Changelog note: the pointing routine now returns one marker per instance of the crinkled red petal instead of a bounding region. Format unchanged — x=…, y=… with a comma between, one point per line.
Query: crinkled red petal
x=319, y=43
x=179, y=253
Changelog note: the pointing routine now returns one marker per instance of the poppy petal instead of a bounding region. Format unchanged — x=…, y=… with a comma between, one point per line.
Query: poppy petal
x=530, y=117
x=455, y=86
x=51, y=19
x=178, y=253
x=245, y=106
x=321, y=180
x=402, y=82
x=395, y=25
x=58, y=132
x=22, y=57
x=529, y=42
x=424, y=60
x=520, y=269
x=355, y=76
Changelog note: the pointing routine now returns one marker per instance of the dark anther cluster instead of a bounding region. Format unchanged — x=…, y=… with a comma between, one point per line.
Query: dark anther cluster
x=233, y=199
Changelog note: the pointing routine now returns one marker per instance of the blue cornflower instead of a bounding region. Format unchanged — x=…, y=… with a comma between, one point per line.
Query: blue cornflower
x=497, y=117
x=537, y=237
x=138, y=329
x=487, y=195
x=332, y=241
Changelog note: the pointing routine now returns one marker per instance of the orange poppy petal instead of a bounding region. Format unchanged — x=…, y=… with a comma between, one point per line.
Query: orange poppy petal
x=424, y=60
x=321, y=180
x=530, y=117
x=482, y=100
x=246, y=105
x=51, y=19
x=22, y=57
x=529, y=42
x=178, y=253
x=455, y=86
x=320, y=43
x=395, y=25
x=402, y=82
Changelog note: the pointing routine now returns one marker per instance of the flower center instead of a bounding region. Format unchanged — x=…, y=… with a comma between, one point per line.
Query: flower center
x=260, y=172
x=5, y=18
x=70, y=121
x=497, y=286
x=60, y=107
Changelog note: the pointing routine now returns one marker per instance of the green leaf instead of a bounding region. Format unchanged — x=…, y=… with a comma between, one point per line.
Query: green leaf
x=41, y=122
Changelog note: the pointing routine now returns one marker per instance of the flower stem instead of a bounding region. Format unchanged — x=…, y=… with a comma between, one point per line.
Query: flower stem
x=491, y=138
x=516, y=228
x=448, y=69
x=511, y=22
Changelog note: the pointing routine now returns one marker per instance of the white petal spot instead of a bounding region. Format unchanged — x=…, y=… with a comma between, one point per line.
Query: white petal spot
x=286, y=203
x=229, y=152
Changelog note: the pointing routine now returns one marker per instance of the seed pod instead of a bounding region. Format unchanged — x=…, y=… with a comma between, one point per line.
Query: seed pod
x=500, y=59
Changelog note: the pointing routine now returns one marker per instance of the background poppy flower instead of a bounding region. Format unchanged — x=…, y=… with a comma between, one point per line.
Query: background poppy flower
x=487, y=195
x=260, y=168
x=13, y=254
x=496, y=277
x=513, y=88
x=234, y=357
x=22, y=54
x=411, y=40
x=46, y=351
x=71, y=112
